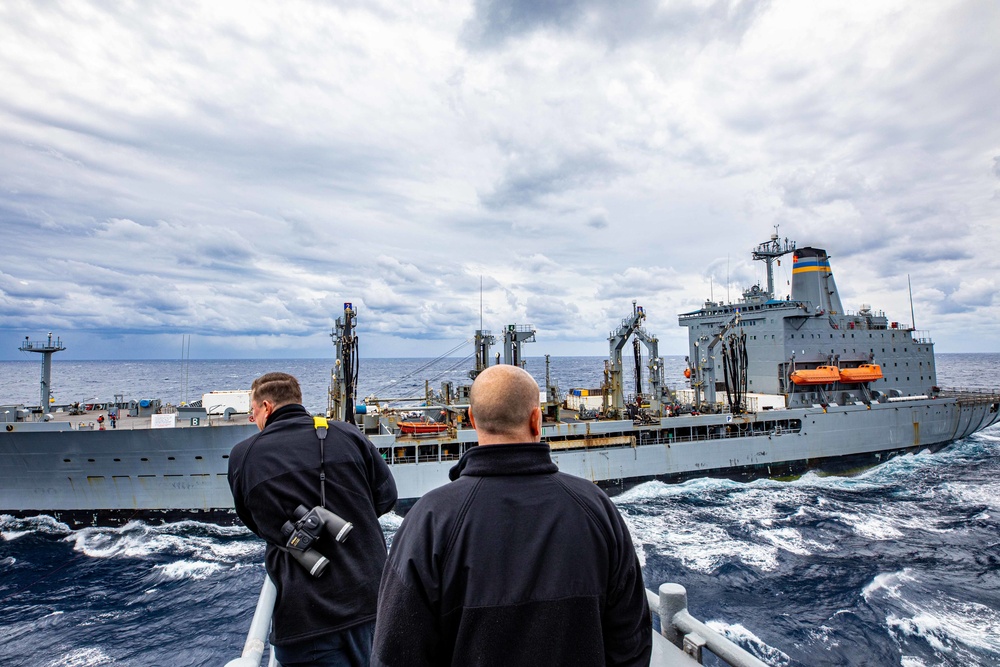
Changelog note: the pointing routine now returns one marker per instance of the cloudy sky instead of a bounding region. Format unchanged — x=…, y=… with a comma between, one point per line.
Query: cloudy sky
x=236, y=171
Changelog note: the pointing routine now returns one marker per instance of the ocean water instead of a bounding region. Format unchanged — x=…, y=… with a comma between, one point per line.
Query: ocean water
x=899, y=565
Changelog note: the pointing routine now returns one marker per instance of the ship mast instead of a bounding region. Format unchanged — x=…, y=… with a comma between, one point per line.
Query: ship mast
x=46, y=349
x=344, y=376
x=770, y=251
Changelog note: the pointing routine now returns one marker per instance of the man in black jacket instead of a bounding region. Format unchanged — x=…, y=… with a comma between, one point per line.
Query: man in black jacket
x=329, y=619
x=513, y=563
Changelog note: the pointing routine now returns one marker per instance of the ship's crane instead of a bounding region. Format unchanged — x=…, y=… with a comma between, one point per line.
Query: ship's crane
x=629, y=327
x=703, y=366
x=513, y=336
x=484, y=340
x=344, y=376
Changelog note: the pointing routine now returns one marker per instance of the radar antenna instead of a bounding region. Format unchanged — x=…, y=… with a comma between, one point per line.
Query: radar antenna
x=770, y=251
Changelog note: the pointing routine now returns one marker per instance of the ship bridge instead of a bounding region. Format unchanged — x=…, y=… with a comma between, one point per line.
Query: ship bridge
x=807, y=330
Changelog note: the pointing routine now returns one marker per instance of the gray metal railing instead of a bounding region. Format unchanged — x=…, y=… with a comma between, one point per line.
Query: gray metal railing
x=687, y=633
x=253, y=648
x=679, y=644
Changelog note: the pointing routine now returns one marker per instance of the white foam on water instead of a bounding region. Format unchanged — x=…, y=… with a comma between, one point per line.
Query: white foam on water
x=883, y=522
x=973, y=494
x=215, y=529
x=699, y=536
x=823, y=635
x=82, y=657
x=655, y=490
x=390, y=521
x=103, y=619
x=912, y=661
x=633, y=530
x=950, y=626
x=705, y=548
x=12, y=528
x=11, y=535
x=753, y=522
x=186, y=569
x=739, y=634
x=990, y=436
x=791, y=540
x=890, y=582
x=874, y=527
x=138, y=540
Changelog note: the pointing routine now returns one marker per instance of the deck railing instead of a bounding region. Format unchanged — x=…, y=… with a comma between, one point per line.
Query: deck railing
x=679, y=643
x=687, y=633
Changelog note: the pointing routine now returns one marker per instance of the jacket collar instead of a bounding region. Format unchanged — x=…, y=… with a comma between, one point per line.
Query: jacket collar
x=529, y=458
x=286, y=412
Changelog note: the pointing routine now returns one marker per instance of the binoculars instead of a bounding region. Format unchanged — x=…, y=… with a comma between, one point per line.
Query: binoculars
x=309, y=526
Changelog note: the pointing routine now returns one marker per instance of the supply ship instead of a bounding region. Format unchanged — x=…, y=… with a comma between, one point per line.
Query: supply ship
x=776, y=385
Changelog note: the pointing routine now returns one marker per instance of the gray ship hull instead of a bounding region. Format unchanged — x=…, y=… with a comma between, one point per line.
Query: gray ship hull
x=109, y=477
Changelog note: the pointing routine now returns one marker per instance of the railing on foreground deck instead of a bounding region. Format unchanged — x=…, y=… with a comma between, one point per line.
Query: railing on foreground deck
x=680, y=643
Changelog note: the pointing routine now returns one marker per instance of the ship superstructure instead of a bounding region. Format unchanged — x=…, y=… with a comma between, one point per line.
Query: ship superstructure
x=807, y=330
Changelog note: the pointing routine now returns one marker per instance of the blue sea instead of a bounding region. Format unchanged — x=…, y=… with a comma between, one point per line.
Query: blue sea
x=898, y=565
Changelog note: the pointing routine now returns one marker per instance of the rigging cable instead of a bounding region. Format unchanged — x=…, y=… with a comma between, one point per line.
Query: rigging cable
x=422, y=368
x=638, y=367
x=351, y=363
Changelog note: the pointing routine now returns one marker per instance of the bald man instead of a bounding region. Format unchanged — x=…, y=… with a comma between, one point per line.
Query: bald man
x=512, y=563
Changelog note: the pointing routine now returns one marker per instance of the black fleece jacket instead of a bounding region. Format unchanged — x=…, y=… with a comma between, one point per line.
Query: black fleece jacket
x=275, y=471
x=513, y=563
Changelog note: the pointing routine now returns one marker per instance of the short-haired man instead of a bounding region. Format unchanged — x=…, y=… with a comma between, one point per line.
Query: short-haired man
x=330, y=619
x=513, y=563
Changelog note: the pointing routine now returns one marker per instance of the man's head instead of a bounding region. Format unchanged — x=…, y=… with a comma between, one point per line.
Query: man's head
x=504, y=406
x=270, y=392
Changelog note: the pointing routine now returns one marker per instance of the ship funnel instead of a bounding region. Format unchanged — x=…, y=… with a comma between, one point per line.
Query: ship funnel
x=812, y=281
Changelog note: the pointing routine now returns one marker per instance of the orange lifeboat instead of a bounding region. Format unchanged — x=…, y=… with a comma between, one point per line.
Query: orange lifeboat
x=818, y=375
x=422, y=426
x=863, y=373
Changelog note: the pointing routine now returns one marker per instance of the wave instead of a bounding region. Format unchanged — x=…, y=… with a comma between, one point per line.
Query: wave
x=184, y=569
x=956, y=630
x=890, y=582
x=136, y=539
x=13, y=528
x=755, y=645
x=82, y=657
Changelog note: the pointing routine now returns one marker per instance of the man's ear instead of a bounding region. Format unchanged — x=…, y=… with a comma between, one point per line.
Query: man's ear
x=536, y=421
x=472, y=420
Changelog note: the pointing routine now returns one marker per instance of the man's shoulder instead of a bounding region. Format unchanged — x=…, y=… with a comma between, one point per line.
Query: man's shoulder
x=583, y=486
x=586, y=493
x=240, y=448
x=291, y=431
x=345, y=430
x=442, y=502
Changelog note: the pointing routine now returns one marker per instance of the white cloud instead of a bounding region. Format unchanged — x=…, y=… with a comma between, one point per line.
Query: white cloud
x=239, y=170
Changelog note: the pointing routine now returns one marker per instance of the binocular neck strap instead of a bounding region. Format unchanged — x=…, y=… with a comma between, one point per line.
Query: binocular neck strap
x=320, y=424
